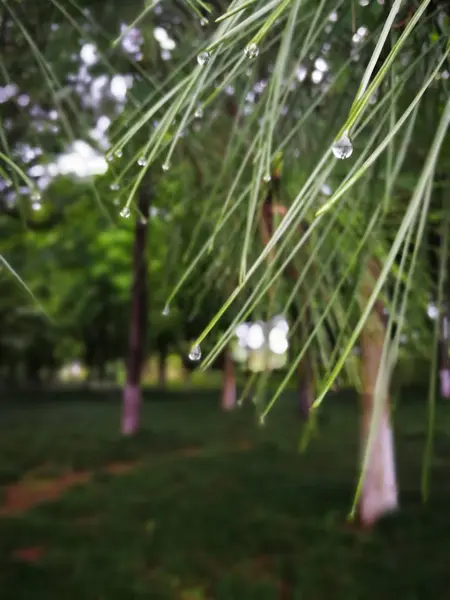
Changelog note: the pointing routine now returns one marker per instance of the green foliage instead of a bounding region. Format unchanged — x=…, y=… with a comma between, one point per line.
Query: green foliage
x=320, y=72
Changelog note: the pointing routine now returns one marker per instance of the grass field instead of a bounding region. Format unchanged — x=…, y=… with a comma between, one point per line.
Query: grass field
x=202, y=505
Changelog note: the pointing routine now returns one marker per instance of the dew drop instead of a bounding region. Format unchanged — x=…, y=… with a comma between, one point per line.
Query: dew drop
x=343, y=148
x=35, y=196
x=326, y=189
x=198, y=113
x=203, y=58
x=118, y=153
x=125, y=212
x=195, y=353
x=166, y=311
x=143, y=221
x=166, y=166
x=204, y=21
x=114, y=187
x=109, y=158
x=267, y=178
x=251, y=51
x=142, y=161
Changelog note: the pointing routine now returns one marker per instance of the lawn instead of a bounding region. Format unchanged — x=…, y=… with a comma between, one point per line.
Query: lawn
x=202, y=505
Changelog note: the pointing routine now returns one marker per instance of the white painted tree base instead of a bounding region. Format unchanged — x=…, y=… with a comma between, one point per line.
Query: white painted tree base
x=229, y=391
x=131, y=409
x=445, y=383
x=379, y=494
x=229, y=383
x=229, y=396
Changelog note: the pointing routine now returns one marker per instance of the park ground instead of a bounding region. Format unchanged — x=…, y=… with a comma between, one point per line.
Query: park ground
x=202, y=505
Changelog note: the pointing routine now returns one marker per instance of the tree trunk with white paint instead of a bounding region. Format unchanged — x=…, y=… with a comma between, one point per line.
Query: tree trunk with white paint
x=379, y=490
x=445, y=382
x=132, y=400
x=444, y=371
x=132, y=395
x=229, y=383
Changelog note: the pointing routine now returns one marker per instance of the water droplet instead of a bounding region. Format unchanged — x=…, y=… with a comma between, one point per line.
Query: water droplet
x=267, y=178
x=166, y=166
x=251, y=51
x=143, y=221
x=203, y=58
x=118, y=153
x=326, y=189
x=35, y=196
x=198, y=113
x=109, y=158
x=195, y=353
x=125, y=212
x=204, y=21
x=116, y=201
x=114, y=186
x=343, y=148
x=166, y=311
x=142, y=161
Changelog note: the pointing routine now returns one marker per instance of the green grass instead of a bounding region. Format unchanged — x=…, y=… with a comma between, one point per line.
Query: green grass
x=227, y=523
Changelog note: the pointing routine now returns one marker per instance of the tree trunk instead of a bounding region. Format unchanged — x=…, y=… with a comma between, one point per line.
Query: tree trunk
x=445, y=357
x=379, y=490
x=101, y=371
x=305, y=372
x=229, y=383
x=305, y=388
x=132, y=397
x=162, y=368
x=32, y=373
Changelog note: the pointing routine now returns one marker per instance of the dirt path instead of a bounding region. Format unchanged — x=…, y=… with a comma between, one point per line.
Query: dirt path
x=33, y=490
